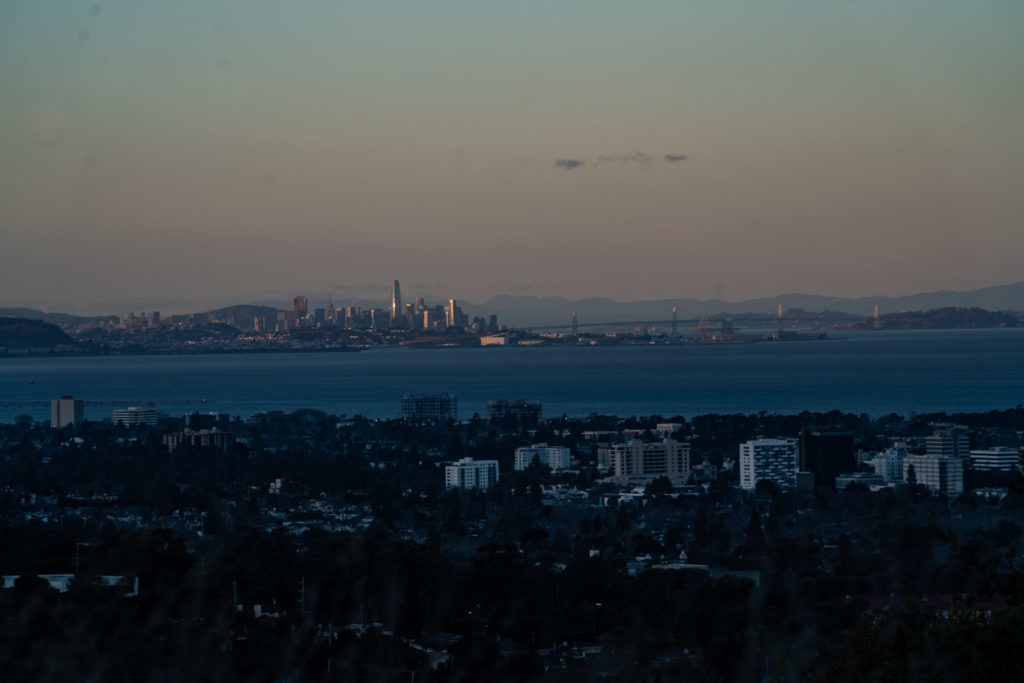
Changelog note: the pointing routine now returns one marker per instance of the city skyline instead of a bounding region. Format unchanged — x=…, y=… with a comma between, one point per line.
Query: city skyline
x=1004, y=297
x=154, y=154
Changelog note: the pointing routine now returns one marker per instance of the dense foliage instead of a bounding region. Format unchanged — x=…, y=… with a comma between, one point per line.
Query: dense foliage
x=507, y=584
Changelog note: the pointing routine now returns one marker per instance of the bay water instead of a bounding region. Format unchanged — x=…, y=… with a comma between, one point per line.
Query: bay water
x=862, y=372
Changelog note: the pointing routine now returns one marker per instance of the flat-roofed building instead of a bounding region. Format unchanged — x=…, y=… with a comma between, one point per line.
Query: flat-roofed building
x=494, y=340
x=889, y=464
x=204, y=438
x=421, y=407
x=768, y=459
x=951, y=443
x=525, y=412
x=942, y=474
x=1000, y=459
x=639, y=462
x=471, y=474
x=555, y=457
x=66, y=411
x=867, y=479
x=135, y=416
x=827, y=454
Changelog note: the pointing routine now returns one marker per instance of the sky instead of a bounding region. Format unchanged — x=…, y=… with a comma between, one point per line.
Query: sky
x=194, y=153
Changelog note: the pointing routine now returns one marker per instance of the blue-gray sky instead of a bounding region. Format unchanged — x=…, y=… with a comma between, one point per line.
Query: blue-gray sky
x=210, y=151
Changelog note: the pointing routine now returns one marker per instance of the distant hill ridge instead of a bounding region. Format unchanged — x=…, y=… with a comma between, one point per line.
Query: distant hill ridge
x=62, y=320
x=23, y=333
x=244, y=312
x=523, y=311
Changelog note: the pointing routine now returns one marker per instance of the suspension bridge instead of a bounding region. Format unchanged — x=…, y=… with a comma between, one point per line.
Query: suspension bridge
x=146, y=403
x=669, y=319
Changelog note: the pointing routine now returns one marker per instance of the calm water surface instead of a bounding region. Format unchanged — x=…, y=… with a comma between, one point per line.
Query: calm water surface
x=872, y=372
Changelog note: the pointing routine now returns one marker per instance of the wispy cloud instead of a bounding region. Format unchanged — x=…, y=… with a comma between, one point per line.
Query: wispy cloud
x=633, y=158
x=568, y=164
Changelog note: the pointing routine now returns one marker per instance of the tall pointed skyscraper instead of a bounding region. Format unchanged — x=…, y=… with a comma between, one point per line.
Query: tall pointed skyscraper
x=397, y=313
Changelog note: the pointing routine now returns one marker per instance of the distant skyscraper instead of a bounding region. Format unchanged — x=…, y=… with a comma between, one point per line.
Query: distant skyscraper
x=453, y=315
x=330, y=310
x=66, y=410
x=301, y=306
x=450, y=313
x=379, y=318
x=397, y=312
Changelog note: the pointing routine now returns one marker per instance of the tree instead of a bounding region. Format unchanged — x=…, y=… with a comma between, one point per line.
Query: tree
x=658, y=487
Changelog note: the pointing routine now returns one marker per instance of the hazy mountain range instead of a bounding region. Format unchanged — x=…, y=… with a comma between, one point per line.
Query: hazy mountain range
x=531, y=310
x=523, y=311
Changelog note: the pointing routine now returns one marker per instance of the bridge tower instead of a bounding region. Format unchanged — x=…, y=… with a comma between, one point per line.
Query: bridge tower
x=575, y=322
x=675, y=321
x=877, y=323
x=779, y=333
x=706, y=328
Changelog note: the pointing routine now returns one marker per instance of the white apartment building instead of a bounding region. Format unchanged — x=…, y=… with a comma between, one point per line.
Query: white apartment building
x=555, y=457
x=471, y=474
x=771, y=459
x=637, y=462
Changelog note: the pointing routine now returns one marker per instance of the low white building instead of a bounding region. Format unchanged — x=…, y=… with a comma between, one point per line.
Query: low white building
x=135, y=416
x=471, y=474
x=494, y=340
x=555, y=457
x=999, y=459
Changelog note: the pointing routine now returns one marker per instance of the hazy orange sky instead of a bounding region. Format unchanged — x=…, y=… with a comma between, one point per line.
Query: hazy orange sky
x=182, y=154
